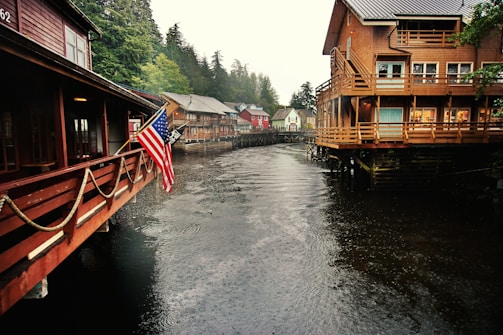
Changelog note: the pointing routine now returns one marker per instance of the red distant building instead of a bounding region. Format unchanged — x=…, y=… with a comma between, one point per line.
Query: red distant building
x=257, y=117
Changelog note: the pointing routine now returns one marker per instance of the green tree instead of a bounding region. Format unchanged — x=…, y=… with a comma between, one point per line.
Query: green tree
x=162, y=76
x=130, y=37
x=243, y=87
x=220, y=86
x=486, y=19
x=268, y=98
x=304, y=98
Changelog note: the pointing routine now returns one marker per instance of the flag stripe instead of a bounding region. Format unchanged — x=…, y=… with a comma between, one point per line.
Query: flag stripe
x=155, y=140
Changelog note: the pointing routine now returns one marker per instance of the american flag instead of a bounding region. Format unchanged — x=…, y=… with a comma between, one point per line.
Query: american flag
x=155, y=139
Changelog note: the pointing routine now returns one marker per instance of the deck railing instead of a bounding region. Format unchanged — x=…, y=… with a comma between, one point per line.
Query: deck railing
x=403, y=84
x=411, y=133
x=55, y=212
x=425, y=38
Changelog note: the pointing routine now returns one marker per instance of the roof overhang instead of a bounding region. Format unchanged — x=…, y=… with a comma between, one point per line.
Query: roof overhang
x=14, y=43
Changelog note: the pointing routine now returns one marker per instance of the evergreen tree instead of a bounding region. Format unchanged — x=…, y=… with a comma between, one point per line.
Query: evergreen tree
x=243, y=87
x=304, y=98
x=268, y=98
x=129, y=37
x=220, y=86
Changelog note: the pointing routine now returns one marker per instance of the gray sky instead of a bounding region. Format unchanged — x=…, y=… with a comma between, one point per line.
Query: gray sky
x=282, y=39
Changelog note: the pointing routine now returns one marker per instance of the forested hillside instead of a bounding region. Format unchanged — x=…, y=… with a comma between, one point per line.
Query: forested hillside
x=133, y=52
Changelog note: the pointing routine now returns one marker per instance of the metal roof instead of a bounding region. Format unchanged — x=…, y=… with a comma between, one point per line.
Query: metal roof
x=198, y=103
x=392, y=9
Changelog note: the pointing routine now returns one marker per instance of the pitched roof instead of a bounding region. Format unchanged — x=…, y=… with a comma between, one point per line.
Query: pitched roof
x=198, y=103
x=306, y=112
x=387, y=12
x=392, y=9
x=256, y=111
x=282, y=113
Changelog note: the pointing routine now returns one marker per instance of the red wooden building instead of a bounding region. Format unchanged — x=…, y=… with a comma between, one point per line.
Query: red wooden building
x=258, y=118
x=61, y=125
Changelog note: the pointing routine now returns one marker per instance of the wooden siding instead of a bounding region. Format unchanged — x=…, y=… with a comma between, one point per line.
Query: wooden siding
x=10, y=17
x=42, y=23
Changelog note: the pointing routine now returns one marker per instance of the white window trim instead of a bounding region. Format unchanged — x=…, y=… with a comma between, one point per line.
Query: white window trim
x=424, y=75
x=75, y=44
x=459, y=76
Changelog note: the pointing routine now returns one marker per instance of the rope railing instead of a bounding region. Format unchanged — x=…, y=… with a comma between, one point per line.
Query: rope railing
x=4, y=198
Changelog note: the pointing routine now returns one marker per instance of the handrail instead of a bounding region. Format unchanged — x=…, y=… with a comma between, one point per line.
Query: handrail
x=401, y=84
x=412, y=133
x=425, y=38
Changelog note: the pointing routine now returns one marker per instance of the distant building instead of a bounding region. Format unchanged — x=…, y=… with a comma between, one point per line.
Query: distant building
x=308, y=119
x=257, y=117
x=207, y=118
x=287, y=119
x=243, y=126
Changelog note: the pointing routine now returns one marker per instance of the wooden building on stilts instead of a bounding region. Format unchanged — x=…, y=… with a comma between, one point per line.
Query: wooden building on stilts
x=398, y=107
x=61, y=125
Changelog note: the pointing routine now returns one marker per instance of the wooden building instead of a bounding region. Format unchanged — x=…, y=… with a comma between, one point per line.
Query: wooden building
x=398, y=91
x=258, y=118
x=210, y=123
x=62, y=175
x=287, y=119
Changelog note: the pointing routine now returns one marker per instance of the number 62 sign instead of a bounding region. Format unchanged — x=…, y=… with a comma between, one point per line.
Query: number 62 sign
x=4, y=15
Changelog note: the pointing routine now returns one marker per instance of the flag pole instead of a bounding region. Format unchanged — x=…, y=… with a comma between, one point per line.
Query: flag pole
x=146, y=124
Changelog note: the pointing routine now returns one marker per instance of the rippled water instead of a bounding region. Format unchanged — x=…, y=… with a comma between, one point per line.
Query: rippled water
x=263, y=241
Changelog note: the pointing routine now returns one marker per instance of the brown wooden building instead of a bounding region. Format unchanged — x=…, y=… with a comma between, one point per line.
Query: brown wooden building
x=61, y=125
x=398, y=82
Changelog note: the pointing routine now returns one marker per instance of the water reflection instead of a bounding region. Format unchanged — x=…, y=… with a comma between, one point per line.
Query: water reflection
x=428, y=258
x=263, y=241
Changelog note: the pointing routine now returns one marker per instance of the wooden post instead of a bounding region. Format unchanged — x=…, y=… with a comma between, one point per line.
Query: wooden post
x=378, y=114
x=357, y=110
x=339, y=112
x=59, y=120
x=104, y=129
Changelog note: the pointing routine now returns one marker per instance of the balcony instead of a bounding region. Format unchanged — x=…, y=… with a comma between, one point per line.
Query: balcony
x=372, y=134
x=356, y=84
x=423, y=38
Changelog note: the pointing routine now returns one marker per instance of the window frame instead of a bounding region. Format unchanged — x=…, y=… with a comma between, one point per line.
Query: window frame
x=457, y=77
x=75, y=47
x=448, y=117
x=500, y=77
x=420, y=111
x=425, y=77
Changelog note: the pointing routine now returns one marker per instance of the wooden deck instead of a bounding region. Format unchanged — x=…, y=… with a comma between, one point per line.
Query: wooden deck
x=44, y=218
x=371, y=134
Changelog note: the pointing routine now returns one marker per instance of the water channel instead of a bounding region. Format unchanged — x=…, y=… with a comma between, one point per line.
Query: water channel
x=264, y=241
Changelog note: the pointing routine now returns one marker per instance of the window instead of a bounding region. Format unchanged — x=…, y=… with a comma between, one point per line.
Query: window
x=425, y=73
x=390, y=70
x=390, y=75
x=499, y=75
x=457, y=114
x=427, y=114
x=456, y=72
x=76, y=47
x=7, y=151
x=496, y=114
x=81, y=137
